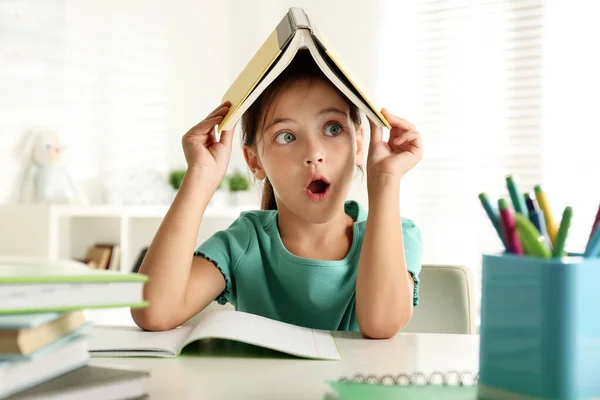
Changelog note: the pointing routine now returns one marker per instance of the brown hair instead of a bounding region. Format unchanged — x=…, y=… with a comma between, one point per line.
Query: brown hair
x=253, y=120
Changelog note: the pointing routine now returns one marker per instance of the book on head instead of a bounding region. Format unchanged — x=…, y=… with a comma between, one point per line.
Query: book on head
x=293, y=33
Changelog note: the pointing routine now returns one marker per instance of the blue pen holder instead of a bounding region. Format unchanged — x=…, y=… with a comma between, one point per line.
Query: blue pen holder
x=540, y=328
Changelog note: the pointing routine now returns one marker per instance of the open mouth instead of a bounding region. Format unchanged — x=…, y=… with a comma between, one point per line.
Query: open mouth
x=318, y=186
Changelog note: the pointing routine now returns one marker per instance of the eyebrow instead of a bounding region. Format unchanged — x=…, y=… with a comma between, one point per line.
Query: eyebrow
x=323, y=111
x=333, y=110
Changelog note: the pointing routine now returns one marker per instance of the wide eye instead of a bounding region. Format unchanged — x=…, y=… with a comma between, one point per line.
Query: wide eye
x=333, y=129
x=285, y=137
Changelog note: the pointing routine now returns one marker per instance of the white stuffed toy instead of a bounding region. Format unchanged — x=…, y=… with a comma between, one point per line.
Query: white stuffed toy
x=46, y=180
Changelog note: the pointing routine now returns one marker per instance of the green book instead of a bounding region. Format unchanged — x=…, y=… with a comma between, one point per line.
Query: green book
x=28, y=288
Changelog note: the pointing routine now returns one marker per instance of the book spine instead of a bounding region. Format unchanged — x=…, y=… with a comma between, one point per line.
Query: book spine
x=298, y=18
x=285, y=31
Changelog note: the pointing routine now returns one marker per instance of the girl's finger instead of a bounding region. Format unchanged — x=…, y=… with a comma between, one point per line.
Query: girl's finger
x=406, y=137
x=204, y=126
x=397, y=121
x=376, y=132
x=224, y=104
x=221, y=111
x=212, y=135
x=227, y=136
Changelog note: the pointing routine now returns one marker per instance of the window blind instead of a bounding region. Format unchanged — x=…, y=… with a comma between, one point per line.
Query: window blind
x=469, y=75
x=496, y=88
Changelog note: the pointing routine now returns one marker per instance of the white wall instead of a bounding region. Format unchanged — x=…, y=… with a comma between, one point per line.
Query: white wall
x=199, y=58
x=189, y=52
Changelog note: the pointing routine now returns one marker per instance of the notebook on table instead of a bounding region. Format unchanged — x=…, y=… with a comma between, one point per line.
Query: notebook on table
x=115, y=341
x=450, y=385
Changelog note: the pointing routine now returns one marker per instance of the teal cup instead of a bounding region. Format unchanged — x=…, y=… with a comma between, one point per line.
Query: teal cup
x=540, y=328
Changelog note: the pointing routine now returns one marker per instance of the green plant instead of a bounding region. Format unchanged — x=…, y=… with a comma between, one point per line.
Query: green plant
x=223, y=183
x=238, y=182
x=175, y=178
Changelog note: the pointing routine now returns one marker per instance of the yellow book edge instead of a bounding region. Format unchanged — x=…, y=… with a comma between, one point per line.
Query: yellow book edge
x=234, y=107
x=271, y=45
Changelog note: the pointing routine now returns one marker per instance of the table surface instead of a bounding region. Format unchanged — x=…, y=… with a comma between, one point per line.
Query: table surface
x=225, y=370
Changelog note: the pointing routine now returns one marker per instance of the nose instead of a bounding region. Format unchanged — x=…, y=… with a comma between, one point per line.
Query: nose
x=314, y=160
x=314, y=154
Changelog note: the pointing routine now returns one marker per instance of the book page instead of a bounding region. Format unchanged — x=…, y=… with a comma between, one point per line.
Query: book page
x=118, y=340
x=267, y=333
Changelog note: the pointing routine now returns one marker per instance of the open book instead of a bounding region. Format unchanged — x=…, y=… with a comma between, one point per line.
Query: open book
x=294, y=32
x=111, y=341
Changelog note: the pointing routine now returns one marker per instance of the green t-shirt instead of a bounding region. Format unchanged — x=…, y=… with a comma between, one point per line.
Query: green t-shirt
x=262, y=277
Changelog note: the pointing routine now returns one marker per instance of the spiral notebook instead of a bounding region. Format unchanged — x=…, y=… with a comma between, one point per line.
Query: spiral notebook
x=452, y=385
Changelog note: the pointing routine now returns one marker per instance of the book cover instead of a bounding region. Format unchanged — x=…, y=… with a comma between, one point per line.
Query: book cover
x=278, y=51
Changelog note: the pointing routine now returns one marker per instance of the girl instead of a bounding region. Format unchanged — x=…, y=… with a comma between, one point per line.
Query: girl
x=309, y=257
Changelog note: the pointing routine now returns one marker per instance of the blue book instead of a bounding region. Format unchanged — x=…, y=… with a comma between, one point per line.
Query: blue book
x=26, y=321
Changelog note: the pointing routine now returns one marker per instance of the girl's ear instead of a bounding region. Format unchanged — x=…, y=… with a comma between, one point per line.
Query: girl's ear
x=254, y=163
x=360, y=144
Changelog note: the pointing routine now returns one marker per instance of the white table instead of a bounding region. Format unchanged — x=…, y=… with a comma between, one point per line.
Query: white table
x=214, y=377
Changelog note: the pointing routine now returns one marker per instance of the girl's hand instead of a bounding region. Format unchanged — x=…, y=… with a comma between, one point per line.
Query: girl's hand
x=202, y=149
x=399, y=154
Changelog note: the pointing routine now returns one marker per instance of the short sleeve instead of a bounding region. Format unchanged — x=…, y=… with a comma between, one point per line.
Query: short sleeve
x=224, y=249
x=413, y=253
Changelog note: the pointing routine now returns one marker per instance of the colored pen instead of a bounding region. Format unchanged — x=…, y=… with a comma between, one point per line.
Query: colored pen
x=595, y=224
x=515, y=196
x=563, y=231
x=536, y=218
x=493, y=216
x=531, y=239
x=508, y=228
x=551, y=226
x=593, y=246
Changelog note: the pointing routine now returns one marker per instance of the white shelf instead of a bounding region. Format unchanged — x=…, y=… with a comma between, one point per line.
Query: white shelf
x=58, y=232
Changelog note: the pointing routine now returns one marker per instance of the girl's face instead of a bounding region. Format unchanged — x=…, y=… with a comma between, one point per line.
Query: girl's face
x=309, y=149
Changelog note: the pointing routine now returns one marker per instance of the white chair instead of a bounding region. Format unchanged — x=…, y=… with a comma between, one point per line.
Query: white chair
x=446, y=302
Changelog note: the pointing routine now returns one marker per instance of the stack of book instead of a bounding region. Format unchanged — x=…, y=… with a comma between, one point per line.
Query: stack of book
x=43, y=331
